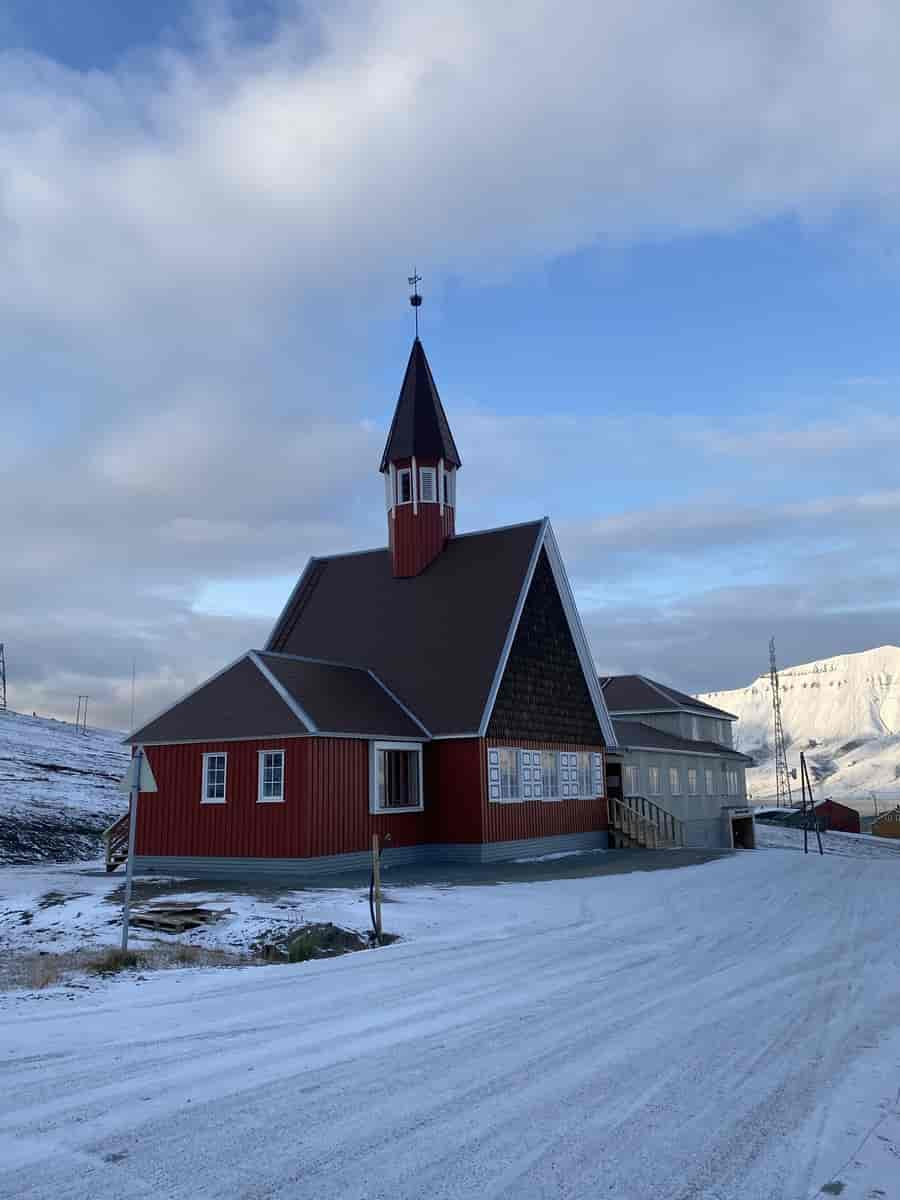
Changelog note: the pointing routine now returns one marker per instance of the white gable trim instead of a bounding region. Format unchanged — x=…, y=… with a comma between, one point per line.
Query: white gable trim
x=579, y=637
x=162, y=712
x=546, y=540
x=396, y=699
x=511, y=632
x=277, y=686
x=297, y=586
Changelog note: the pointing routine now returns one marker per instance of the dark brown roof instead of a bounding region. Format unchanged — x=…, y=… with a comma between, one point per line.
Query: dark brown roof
x=420, y=424
x=339, y=699
x=239, y=702
x=637, y=693
x=307, y=696
x=435, y=639
x=635, y=735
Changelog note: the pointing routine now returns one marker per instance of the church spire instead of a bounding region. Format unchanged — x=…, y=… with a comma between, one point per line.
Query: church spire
x=419, y=463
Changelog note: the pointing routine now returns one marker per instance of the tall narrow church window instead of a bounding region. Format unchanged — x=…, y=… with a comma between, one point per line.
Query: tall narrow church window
x=404, y=486
x=509, y=775
x=550, y=774
x=397, y=777
x=427, y=485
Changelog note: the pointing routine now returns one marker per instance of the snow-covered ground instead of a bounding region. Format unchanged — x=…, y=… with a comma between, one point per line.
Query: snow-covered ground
x=723, y=1032
x=57, y=788
x=844, y=712
x=852, y=845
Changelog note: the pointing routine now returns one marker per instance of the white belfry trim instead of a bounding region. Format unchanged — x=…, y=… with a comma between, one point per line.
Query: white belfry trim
x=392, y=472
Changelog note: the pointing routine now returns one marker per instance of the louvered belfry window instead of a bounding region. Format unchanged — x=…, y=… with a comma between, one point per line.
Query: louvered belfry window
x=427, y=485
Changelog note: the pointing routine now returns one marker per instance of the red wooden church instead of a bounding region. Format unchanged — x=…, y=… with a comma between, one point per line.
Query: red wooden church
x=440, y=690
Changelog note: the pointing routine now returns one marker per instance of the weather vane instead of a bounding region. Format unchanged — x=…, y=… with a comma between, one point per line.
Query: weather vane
x=414, y=298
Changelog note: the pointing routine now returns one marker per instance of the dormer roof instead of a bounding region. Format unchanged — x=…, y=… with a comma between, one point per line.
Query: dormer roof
x=419, y=427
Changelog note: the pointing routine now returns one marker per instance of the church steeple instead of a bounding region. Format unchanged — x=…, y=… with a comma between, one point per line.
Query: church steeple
x=419, y=463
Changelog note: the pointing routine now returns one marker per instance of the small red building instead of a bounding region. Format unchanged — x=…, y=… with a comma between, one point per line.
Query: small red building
x=440, y=690
x=830, y=814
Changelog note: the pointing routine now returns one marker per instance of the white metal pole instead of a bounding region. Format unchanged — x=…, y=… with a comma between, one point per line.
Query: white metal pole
x=132, y=826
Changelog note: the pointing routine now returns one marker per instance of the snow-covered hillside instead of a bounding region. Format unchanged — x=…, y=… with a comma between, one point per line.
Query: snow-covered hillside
x=57, y=788
x=843, y=711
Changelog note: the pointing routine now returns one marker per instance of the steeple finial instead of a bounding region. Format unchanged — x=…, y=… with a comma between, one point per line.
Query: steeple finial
x=414, y=298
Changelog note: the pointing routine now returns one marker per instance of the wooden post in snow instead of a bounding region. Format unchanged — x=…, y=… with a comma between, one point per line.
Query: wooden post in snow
x=376, y=878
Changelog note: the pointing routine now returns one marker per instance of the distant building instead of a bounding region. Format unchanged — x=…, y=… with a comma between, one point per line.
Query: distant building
x=678, y=752
x=888, y=824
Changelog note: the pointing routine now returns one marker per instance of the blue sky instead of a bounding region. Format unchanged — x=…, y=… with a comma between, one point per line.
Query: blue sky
x=660, y=274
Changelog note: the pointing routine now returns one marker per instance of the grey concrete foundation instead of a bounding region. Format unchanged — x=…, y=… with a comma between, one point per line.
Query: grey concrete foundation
x=310, y=868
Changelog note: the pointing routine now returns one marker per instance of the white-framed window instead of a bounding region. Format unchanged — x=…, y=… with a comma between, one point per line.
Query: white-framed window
x=550, y=774
x=731, y=778
x=449, y=487
x=655, y=787
x=674, y=781
x=215, y=769
x=396, y=777
x=633, y=780
x=692, y=781
x=427, y=485
x=510, y=782
x=404, y=486
x=271, y=777
x=585, y=773
x=710, y=784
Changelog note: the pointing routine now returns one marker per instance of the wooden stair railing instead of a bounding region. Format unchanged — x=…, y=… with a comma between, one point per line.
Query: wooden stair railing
x=646, y=824
x=115, y=839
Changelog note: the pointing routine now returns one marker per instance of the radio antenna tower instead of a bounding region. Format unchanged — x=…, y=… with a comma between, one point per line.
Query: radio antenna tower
x=2, y=678
x=782, y=775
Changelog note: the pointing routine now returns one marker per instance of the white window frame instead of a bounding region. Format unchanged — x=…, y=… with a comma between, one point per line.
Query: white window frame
x=401, y=471
x=557, y=795
x=449, y=492
x=580, y=757
x=261, y=759
x=674, y=781
x=515, y=758
x=732, y=781
x=204, y=799
x=374, y=804
x=651, y=790
x=692, y=781
x=428, y=475
x=633, y=779
x=710, y=780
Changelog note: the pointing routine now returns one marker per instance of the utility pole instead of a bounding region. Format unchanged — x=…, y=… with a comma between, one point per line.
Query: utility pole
x=2, y=678
x=782, y=775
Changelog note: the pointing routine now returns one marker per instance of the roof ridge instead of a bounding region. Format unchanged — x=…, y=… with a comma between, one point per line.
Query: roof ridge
x=325, y=662
x=283, y=693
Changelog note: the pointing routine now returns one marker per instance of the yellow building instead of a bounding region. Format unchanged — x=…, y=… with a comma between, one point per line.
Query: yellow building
x=888, y=824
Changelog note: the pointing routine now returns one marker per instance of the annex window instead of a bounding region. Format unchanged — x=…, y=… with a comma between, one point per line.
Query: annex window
x=271, y=777
x=692, y=781
x=633, y=780
x=404, y=486
x=214, y=772
x=655, y=784
x=427, y=485
x=710, y=785
x=732, y=781
x=449, y=487
x=550, y=774
x=674, y=781
x=397, y=784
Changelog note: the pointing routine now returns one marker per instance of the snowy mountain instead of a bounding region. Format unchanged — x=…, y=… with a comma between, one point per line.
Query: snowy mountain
x=57, y=788
x=843, y=711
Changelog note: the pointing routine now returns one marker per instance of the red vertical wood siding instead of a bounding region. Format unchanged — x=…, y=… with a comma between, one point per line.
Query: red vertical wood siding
x=454, y=786
x=416, y=539
x=542, y=818
x=325, y=809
